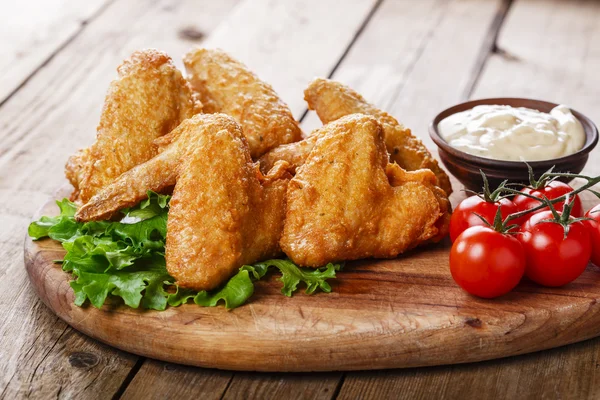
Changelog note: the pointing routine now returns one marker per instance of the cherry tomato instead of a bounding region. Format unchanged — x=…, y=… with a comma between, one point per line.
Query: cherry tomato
x=552, y=190
x=464, y=216
x=487, y=263
x=552, y=259
x=594, y=229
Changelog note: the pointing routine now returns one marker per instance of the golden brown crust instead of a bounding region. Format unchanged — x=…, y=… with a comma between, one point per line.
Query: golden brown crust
x=293, y=153
x=149, y=98
x=332, y=100
x=158, y=173
x=228, y=86
x=346, y=202
x=75, y=168
x=221, y=216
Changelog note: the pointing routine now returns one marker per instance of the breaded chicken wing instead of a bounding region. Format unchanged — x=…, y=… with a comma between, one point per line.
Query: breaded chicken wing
x=225, y=85
x=332, y=100
x=223, y=214
x=160, y=172
x=148, y=99
x=348, y=202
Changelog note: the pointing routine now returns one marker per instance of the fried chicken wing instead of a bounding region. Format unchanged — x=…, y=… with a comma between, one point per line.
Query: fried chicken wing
x=225, y=85
x=160, y=172
x=348, y=202
x=149, y=98
x=332, y=100
x=223, y=214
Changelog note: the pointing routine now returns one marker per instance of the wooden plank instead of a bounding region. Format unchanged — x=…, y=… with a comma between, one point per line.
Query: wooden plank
x=277, y=386
x=30, y=35
x=407, y=60
x=72, y=367
x=289, y=43
x=542, y=54
x=51, y=116
x=159, y=380
x=568, y=372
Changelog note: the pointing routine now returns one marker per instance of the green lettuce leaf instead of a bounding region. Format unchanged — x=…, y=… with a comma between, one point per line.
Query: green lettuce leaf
x=153, y=206
x=292, y=275
x=235, y=293
x=55, y=227
x=125, y=259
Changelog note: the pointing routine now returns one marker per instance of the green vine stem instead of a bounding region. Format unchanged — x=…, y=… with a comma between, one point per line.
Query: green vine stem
x=591, y=182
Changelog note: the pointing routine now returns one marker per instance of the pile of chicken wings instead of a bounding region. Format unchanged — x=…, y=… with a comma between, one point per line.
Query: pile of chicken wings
x=247, y=183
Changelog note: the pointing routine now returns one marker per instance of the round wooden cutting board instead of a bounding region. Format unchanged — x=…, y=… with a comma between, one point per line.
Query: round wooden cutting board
x=398, y=313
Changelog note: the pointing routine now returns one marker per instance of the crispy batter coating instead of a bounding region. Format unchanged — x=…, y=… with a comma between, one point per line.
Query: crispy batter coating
x=348, y=202
x=332, y=100
x=158, y=173
x=293, y=153
x=228, y=86
x=149, y=98
x=75, y=168
x=223, y=213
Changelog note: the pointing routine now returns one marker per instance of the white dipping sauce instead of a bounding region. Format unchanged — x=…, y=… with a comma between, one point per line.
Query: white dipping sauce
x=514, y=134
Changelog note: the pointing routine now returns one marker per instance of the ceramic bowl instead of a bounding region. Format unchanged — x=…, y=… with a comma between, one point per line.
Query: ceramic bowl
x=466, y=167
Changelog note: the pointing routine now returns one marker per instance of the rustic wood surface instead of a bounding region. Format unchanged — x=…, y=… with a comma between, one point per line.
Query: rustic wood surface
x=429, y=55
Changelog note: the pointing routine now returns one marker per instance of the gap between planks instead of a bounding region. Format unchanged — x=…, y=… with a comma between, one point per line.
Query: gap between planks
x=132, y=373
x=489, y=46
x=84, y=23
x=347, y=50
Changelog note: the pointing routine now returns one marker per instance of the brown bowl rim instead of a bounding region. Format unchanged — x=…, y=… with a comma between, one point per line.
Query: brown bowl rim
x=590, y=129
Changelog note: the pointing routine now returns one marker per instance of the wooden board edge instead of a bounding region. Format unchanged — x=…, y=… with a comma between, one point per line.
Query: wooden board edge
x=51, y=285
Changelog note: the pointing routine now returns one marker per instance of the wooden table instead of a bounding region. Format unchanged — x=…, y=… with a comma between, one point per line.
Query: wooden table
x=411, y=58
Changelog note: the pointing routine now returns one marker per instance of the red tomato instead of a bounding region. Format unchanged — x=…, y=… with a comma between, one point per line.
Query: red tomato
x=486, y=263
x=464, y=216
x=594, y=229
x=552, y=190
x=552, y=259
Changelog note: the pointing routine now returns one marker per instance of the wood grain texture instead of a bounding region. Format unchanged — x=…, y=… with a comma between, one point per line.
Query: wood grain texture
x=398, y=313
x=569, y=372
x=318, y=386
x=40, y=125
x=159, y=380
x=422, y=70
x=73, y=367
x=289, y=43
x=31, y=34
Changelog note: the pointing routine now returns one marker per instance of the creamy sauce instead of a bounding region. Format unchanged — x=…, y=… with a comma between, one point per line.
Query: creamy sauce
x=514, y=134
